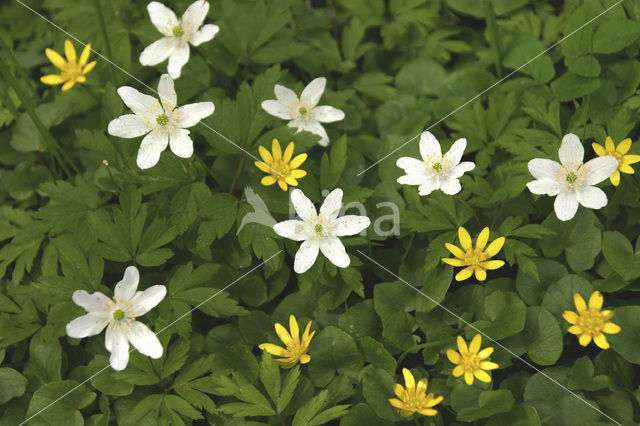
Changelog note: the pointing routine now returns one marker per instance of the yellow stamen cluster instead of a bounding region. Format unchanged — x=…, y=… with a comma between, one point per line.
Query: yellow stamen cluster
x=72, y=70
x=414, y=399
x=620, y=154
x=296, y=347
x=471, y=362
x=591, y=322
x=475, y=259
x=281, y=168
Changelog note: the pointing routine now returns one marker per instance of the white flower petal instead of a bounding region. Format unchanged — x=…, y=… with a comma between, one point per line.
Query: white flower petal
x=450, y=186
x=144, y=340
x=543, y=168
x=461, y=169
x=313, y=92
x=177, y=59
x=127, y=286
x=277, y=109
x=162, y=17
x=191, y=114
x=195, y=15
x=285, y=95
x=86, y=325
x=328, y=114
x=566, y=205
x=428, y=186
x=429, y=146
x=116, y=343
x=157, y=52
x=331, y=206
x=204, y=34
x=128, y=126
x=180, y=143
x=544, y=186
x=139, y=103
x=411, y=165
x=94, y=302
x=334, y=250
x=167, y=92
x=414, y=179
x=292, y=229
x=150, y=148
x=304, y=207
x=315, y=128
x=350, y=225
x=600, y=168
x=571, y=151
x=306, y=255
x=454, y=155
x=146, y=300
x=592, y=197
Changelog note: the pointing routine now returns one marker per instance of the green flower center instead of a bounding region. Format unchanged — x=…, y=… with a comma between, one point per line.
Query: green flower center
x=162, y=119
x=118, y=315
x=318, y=228
x=302, y=110
x=437, y=167
x=178, y=31
x=572, y=177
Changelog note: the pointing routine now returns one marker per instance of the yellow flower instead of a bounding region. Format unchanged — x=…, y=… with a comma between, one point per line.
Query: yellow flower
x=476, y=260
x=281, y=168
x=414, y=398
x=589, y=323
x=624, y=161
x=471, y=362
x=296, y=350
x=72, y=71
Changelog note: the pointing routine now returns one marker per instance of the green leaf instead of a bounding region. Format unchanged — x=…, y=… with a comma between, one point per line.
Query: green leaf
x=377, y=388
x=570, y=86
x=614, y=35
x=270, y=377
x=333, y=165
x=12, y=384
x=617, y=249
x=332, y=350
x=524, y=47
x=542, y=336
x=64, y=411
x=504, y=315
x=625, y=342
x=488, y=404
x=582, y=376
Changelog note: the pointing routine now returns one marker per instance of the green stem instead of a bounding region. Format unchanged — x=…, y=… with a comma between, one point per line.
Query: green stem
x=206, y=168
x=467, y=205
x=238, y=171
x=105, y=37
x=496, y=46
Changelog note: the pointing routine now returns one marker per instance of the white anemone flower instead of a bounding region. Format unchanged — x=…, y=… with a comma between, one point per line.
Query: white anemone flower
x=119, y=315
x=572, y=181
x=161, y=120
x=304, y=112
x=435, y=171
x=320, y=231
x=178, y=34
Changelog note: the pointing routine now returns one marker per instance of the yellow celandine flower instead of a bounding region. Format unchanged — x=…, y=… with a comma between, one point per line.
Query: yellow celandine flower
x=281, y=168
x=471, y=361
x=72, y=71
x=296, y=348
x=476, y=260
x=590, y=322
x=414, y=398
x=619, y=153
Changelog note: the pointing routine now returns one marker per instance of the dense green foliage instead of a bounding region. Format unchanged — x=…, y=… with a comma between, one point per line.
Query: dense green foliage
x=70, y=220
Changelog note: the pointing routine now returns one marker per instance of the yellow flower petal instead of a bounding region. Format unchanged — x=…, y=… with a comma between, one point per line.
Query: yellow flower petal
x=306, y=336
x=55, y=58
x=291, y=181
x=305, y=358
x=483, y=238
x=615, y=178
x=596, y=300
x=575, y=329
x=409, y=382
x=294, y=330
x=625, y=168
x=584, y=339
x=454, y=262
x=288, y=153
x=68, y=85
x=268, y=180
x=70, y=51
x=474, y=346
x=297, y=173
x=601, y=341
x=570, y=316
x=52, y=79
x=458, y=371
x=480, y=273
x=282, y=184
x=434, y=401
x=297, y=161
x=631, y=159
x=485, y=353
x=274, y=349
x=482, y=376
x=87, y=68
x=599, y=149
x=396, y=403
x=428, y=412
x=283, y=334
x=265, y=154
x=611, y=328
x=468, y=378
x=493, y=264
x=464, y=274
x=609, y=145
x=455, y=250
x=495, y=246
x=262, y=166
x=453, y=356
x=462, y=345
x=623, y=146
x=399, y=390
x=84, y=57
x=488, y=365
x=465, y=239
x=579, y=302
x=276, y=150
x=421, y=387
x=81, y=79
